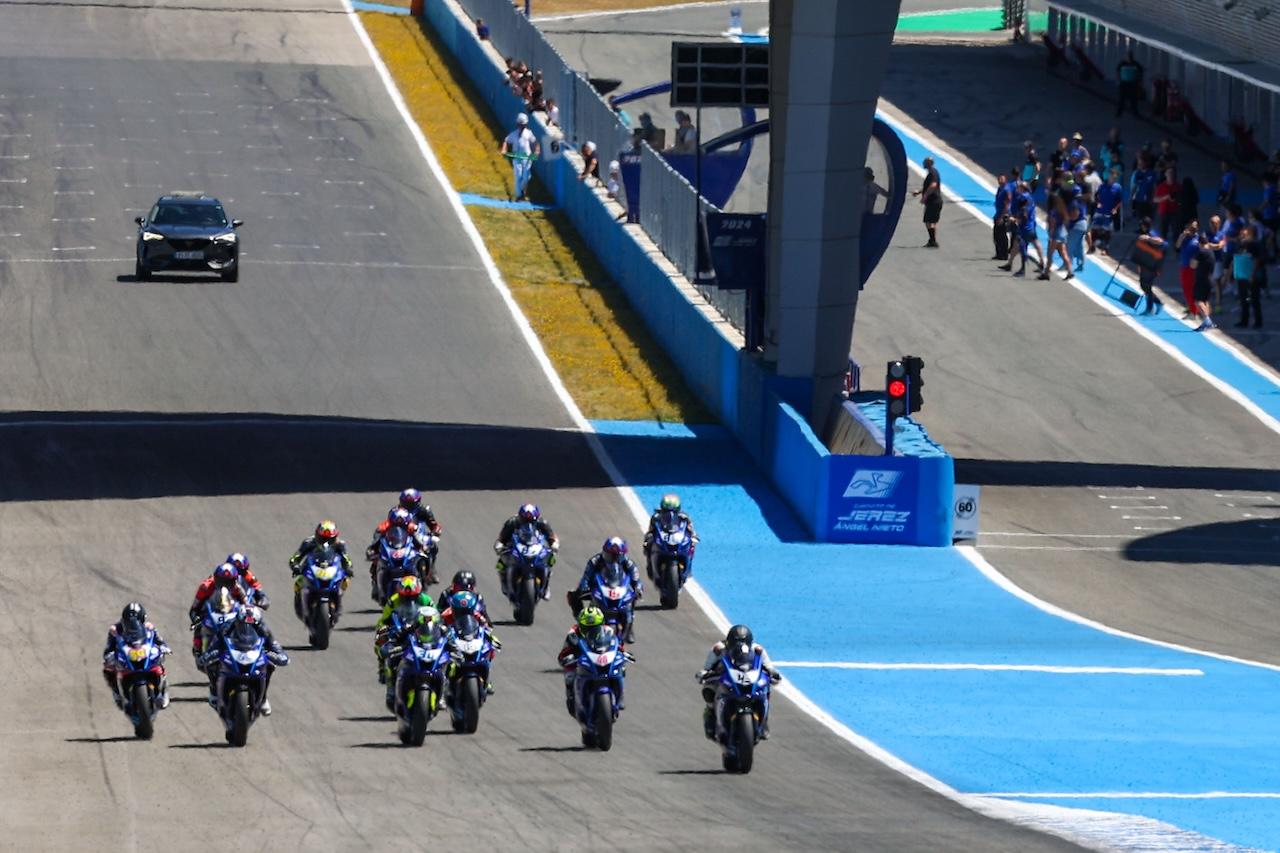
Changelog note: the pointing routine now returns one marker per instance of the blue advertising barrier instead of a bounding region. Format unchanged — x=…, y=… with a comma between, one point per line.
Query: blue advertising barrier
x=742, y=393
x=892, y=500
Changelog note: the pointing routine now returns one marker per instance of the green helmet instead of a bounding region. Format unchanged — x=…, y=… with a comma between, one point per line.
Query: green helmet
x=590, y=617
x=670, y=502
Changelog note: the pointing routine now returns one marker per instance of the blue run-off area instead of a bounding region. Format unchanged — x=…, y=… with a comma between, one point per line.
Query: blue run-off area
x=1255, y=385
x=981, y=732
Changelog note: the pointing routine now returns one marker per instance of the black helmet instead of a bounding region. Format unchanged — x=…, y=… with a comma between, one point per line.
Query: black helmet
x=464, y=580
x=133, y=612
x=739, y=635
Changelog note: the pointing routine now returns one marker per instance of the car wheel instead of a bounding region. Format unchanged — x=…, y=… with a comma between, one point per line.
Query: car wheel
x=140, y=272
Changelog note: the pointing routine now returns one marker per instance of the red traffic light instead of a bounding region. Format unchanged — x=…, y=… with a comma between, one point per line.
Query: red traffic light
x=897, y=388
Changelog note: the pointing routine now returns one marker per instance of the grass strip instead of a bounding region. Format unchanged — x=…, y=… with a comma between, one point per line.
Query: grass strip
x=608, y=361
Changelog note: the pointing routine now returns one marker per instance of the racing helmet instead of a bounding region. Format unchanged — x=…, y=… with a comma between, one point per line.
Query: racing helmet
x=464, y=602
x=399, y=517
x=409, y=587
x=240, y=561
x=739, y=635
x=225, y=575
x=590, y=617
x=463, y=580
x=326, y=531
x=614, y=549
x=530, y=513
x=133, y=612
x=410, y=499
x=670, y=501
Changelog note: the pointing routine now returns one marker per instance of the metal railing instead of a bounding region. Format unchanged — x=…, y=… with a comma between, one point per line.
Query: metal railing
x=667, y=215
x=591, y=118
x=514, y=36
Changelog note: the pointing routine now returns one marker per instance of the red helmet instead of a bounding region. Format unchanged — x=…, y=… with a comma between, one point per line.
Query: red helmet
x=399, y=517
x=225, y=575
x=409, y=587
x=326, y=531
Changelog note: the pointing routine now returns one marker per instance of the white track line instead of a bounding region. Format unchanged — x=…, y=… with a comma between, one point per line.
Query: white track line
x=988, y=667
x=1140, y=795
x=1043, y=819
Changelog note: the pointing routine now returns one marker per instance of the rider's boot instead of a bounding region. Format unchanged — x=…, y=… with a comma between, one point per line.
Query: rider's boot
x=709, y=723
x=502, y=576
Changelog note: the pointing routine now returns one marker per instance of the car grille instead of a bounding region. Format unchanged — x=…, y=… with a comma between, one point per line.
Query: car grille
x=187, y=245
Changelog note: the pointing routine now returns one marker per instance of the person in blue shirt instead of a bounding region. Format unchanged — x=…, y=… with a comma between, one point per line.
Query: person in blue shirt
x=1226, y=186
x=1000, y=218
x=1142, y=190
x=1106, y=219
x=1244, y=269
x=1057, y=227
x=1188, y=245
x=1023, y=210
x=1270, y=213
x=1077, y=227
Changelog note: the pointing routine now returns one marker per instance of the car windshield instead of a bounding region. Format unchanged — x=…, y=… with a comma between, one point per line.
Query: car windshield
x=188, y=214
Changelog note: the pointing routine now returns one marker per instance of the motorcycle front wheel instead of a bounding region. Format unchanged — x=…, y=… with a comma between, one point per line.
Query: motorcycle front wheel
x=470, y=692
x=140, y=701
x=743, y=737
x=670, y=592
x=320, y=623
x=240, y=718
x=604, y=721
x=528, y=596
x=418, y=719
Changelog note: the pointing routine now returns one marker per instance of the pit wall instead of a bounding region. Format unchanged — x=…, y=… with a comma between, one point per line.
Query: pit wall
x=741, y=392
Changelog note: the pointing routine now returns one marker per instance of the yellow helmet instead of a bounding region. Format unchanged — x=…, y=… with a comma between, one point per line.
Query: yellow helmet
x=590, y=617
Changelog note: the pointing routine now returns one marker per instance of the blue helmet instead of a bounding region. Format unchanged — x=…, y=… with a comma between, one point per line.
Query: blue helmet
x=614, y=548
x=240, y=561
x=226, y=574
x=530, y=513
x=411, y=499
x=464, y=601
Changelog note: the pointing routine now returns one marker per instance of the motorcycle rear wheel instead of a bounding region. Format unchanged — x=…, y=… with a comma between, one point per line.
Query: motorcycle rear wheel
x=470, y=692
x=670, y=586
x=526, y=600
x=319, y=627
x=240, y=718
x=604, y=722
x=140, y=701
x=743, y=738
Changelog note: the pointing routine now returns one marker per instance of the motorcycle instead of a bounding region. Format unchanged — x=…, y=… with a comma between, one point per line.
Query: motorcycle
x=140, y=679
x=218, y=612
x=741, y=706
x=470, y=648
x=597, y=684
x=612, y=592
x=318, y=593
x=420, y=679
x=669, y=562
x=428, y=546
x=528, y=571
x=396, y=558
x=242, y=660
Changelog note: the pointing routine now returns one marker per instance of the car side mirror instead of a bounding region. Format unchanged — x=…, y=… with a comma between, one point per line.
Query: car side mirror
x=138, y=220
x=236, y=223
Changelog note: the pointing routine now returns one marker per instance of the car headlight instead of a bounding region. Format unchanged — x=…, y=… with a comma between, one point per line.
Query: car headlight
x=149, y=236
x=228, y=238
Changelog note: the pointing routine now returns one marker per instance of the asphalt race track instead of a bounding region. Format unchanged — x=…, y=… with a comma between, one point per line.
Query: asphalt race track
x=148, y=429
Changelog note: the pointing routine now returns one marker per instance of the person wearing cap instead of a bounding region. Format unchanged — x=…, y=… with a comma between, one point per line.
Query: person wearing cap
x=590, y=162
x=1078, y=153
x=614, y=185
x=930, y=195
x=522, y=147
x=686, y=134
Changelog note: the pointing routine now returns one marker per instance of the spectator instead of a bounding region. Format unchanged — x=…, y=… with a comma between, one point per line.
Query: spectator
x=686, y=141
x=1214, y=239
x=1030, y=171
x=590, y=162
x=1058, y=159
x=1078, y=153
x=1188, y=203
x=1057, y=218
x=930, y=194
x=1244, y=266
x=1231, y=228
x=1129, y=73
x=1091, y=183
x=553, y=113
x=1270, y=212
x=1112, y=154
x=648, y=132
x=874, y=192
x=1167, y=158
x=1023, y=209
x=1148, y=252
x=1142, y=190
x=522, y=148
x=1261, y=235
x=1000, y=221
x=614, y=185
x=482, y=29
x=1077, y=228
x=1166, y=200
x=536, y=101
x=1204, y=263
x=1226, y=186
x=1188, y=246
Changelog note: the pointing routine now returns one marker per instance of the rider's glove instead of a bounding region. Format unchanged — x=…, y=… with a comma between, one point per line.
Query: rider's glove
x=498, y=547
x=774, y=676
x=701, y=676
x=165, y=650
x=260, y=598
x=278, y=658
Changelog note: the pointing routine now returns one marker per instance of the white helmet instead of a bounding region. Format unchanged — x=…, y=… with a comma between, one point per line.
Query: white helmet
x=522, y=119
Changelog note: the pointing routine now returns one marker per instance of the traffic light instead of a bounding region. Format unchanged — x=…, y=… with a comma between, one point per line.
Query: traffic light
x=895, y=392
x=915, y=384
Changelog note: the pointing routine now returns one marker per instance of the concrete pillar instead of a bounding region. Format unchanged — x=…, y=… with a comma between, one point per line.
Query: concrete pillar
x=828, y=58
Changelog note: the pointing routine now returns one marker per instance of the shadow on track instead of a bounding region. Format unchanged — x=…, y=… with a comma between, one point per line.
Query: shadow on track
x=113, y=739
x=704, y=771
x=368, y=629
x=385, y=718
x=218, y=745
x=1229, y=543
x=553, y=748
x=986, y=472
x=162, y=278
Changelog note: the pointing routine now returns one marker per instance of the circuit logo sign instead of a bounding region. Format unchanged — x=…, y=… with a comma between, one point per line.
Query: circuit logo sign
x=872, y=484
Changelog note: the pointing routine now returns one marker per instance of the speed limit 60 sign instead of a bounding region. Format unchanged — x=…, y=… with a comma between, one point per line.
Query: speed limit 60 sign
x=965, y=524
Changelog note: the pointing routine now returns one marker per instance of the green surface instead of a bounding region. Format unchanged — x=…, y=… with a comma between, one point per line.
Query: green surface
x=962, y=21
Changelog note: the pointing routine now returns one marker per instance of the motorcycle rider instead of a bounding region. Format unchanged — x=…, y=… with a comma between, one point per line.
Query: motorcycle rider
x=241, y=562
x=738, y=636
x=464, y=581
x=667, y=515
x=326, y=535
x=613, y=552
x=411, y=501
x=133, y=625
x=527, y=514
x=247, y=619
x=397, y=517
x=408, y=598
x=226, y=576
x=467, y=603
x=590, y=619
x=420, y=619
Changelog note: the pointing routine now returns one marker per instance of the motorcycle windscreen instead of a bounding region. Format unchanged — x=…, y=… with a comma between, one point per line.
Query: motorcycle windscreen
x=613, y=575
x=466, y=626
x=602, y=640
x=742, y=656
x=396, y=538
